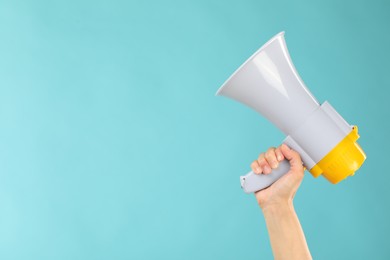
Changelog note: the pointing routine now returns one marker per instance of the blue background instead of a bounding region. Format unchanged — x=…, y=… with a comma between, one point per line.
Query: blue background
x=113, y=145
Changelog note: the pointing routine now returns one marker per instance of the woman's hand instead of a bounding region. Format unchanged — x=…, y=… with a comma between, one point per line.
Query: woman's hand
x=286, y=235
x=283, y=190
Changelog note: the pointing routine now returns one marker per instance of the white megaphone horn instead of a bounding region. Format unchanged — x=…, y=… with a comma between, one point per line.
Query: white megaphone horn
x=269, y=83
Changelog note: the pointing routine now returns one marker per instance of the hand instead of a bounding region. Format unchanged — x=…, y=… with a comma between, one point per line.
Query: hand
x=283, y=190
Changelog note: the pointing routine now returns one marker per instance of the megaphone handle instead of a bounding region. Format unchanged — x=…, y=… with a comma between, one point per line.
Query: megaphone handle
x=254, y=182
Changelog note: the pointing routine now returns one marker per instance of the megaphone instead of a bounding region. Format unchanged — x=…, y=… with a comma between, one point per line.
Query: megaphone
x=269, y=83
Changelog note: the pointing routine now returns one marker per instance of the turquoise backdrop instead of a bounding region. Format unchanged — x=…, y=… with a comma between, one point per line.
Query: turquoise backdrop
x=113, y=145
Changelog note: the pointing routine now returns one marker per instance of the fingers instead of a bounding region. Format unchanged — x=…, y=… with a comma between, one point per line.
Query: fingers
x=256, y=167
x=270, y=156
x=267, y=161
x=265, y=167
x=279, y=154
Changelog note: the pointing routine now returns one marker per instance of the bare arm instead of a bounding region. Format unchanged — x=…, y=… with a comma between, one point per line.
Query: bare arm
x=285, y=232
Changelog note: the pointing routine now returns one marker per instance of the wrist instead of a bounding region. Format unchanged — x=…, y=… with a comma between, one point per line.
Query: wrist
x=278, y=207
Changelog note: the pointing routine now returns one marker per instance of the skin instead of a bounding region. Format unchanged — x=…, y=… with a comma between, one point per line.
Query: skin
x=285, y=232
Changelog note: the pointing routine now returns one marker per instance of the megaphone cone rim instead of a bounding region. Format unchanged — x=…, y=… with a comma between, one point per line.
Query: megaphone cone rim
x=219, y=91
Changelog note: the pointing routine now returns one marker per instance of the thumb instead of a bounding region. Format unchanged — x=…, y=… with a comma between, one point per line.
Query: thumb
x=293, y=157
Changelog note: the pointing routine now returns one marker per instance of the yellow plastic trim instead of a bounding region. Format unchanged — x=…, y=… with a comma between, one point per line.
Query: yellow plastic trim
x=342, y=161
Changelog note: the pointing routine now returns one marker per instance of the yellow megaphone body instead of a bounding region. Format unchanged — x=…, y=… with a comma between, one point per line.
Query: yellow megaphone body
x=269, y=83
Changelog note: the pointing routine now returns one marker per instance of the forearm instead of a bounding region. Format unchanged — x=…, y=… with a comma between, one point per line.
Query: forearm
x=285, y=232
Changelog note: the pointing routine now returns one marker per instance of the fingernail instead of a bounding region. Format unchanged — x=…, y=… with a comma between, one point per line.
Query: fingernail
x=258, y=170
x=279, y=157
x=274, y=165
x=266, y=169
